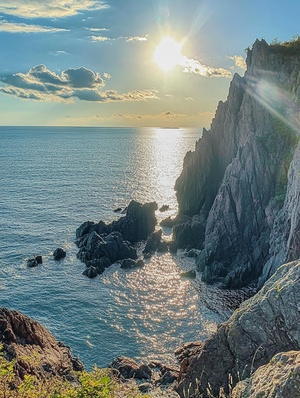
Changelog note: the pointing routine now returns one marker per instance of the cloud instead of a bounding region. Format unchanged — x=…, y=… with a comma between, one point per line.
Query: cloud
x=193, y=66
x=42, y=84
x=14, y=27
x=96, y=29
x=189, y=98
x=136, y=38
x=100, y=38
x=163, y=115
x=49, y=8
x=106, y=75
x=239, y=61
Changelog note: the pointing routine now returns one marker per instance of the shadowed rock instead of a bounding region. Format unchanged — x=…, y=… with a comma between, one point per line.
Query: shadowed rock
x=59, y=254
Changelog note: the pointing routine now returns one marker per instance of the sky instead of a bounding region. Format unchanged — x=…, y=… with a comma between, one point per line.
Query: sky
x=128, y=62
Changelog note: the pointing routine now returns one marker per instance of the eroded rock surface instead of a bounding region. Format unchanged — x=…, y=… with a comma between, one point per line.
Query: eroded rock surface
x=34, y=348
x=264, y=325
x=236, y=201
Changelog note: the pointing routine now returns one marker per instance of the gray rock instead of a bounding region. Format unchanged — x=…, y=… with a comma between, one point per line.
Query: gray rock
x=59, y=253
x=167, y=222
x=32, y=262
x=129, y=369
x=266, y=324
x=280, y=378
x=189, y=274
x=153, y=242
x=91, y=272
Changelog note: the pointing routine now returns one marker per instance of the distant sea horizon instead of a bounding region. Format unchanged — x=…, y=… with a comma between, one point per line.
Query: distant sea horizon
x=54, y=179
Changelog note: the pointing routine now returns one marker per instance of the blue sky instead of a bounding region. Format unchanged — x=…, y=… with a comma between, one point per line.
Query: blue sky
x=89, y=62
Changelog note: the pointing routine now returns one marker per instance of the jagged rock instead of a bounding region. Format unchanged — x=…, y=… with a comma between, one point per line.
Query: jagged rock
x=280, y=378
x=234, y=184
x=138, y=223
x=23, y=338
x=129, y=369
x=101, y=264
x=59, y=253
x=118, y=210
x=34, y=261
x=129, y=263
x=264, y=325
x=91, y=272
x=85, y=228
x=111, y=246
x=167, y=222
x=153, y=242
x=189, y=274
x=192, y=253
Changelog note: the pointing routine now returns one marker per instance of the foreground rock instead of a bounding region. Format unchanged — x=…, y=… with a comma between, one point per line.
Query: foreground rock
x=266, y=324
x=33, y=347
x=280, y=378
x=34, y=261
x=238, y=202
x=59, y=254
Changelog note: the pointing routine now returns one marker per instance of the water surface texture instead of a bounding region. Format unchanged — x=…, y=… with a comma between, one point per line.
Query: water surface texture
x=52, y=180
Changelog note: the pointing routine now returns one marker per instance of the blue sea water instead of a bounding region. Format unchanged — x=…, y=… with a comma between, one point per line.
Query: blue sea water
x=52, y=180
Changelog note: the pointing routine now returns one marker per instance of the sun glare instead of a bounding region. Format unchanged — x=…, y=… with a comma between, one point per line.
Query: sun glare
x=168, y=54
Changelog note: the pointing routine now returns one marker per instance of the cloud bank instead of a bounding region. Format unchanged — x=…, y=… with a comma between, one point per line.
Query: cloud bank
x=239, y=61
x=40, y=83
x=193, y=66
x=14, y=27
x=49, y=8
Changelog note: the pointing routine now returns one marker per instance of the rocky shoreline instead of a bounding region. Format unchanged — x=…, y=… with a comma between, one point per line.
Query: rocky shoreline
x=239, y=216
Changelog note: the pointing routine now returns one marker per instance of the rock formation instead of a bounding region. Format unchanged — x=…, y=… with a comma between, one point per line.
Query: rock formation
x=264, y=325
x=101, y=244
x=237, y=201
x=279, y=378
x=33, y=347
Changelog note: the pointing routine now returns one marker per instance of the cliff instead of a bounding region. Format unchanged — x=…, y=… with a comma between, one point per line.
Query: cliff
x=265, y=325
x=238, y=192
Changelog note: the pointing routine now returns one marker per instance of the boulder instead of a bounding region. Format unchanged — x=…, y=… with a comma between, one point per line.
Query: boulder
x=153, y=242
x=23, y=338
x=59, y=253
x=129, y=369
x=163, y=246
x=263, y=326
x=32, y=262
x=101, y=264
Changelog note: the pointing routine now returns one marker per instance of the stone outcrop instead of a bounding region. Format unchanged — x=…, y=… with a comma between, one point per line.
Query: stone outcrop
x=101, y=244
x=233, y=192
x=33, y=347
x=264, y=325
x=279, y=378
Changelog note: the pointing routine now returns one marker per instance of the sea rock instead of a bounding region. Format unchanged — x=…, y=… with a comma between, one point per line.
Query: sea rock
x=130, y=264
x=101, y=264
x=129, y=369
x=153, y=242
x=59, y=253
x=163, y=246
x=192, y=253
x=91, y=272
x=112, y=246
x=264, y=325
x=279, y=378
x=235, y=199
x=118, y=210
x=32, y=262
x=189, y=274
x=167, y=222
x=138, y=223
x=23, y=338
x=164, y=208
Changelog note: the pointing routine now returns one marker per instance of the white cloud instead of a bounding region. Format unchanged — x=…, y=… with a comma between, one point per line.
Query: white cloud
x=48, y=8
x=239, y=61
x=14, y=27
x=136, y=38
x=42, y=84
x=195, y=67
x=97, y=29
x=100, y=38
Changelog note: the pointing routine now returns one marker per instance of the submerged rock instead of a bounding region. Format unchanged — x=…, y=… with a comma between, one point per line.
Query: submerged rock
x=130, y=264
x=164, y=208
x=167, y=222
x=264, y=325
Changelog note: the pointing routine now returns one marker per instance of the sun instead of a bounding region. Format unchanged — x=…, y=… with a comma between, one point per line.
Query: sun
x=168, y=54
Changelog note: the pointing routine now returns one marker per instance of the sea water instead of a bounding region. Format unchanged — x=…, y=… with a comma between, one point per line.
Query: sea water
x=53, y=179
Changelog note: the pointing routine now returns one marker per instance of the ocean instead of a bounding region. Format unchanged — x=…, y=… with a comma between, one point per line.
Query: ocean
x=55, y=178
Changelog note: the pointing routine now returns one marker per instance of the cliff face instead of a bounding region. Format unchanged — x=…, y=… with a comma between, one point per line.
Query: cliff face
x=264, y=325
x=235, y=187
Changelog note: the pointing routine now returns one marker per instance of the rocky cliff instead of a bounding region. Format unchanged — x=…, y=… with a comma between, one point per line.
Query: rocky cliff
x=264, y=325
x=238, y=192
x=34, y=348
